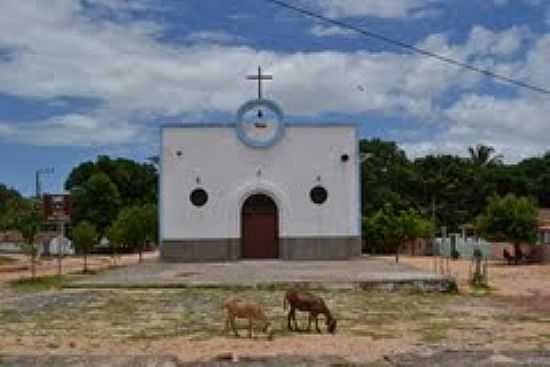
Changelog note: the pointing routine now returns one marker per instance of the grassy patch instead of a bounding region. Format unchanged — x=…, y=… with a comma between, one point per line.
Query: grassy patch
x=8, y=316
x=38, y=284
x=6, y=260
x=480, y=290
x=434, y=332
x=156, y=314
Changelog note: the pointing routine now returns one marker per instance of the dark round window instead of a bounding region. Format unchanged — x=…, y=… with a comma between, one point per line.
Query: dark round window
x=344, y=157
x=318, y=195
x=198, y=197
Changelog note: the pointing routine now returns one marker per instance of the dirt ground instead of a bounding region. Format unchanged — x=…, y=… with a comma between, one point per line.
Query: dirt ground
x=20, y=268
x=514, y=315
x=504, y=280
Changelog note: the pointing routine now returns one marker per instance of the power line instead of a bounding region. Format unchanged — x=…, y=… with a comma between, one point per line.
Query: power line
x=413, y=48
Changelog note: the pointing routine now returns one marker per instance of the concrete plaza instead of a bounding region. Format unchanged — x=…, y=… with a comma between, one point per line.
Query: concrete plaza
x=361, y=272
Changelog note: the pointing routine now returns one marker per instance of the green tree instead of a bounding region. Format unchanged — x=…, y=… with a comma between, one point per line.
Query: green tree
x=96, y=201
x=85, y=238
x=135, y=226
x=135, y=182
x=28, y=222
x=510, y=218
x=410, y=227
x=12, y=203
x=386, y=176
x=114, y=236
x=484, y=155
x=388, y=230
x=151, y=224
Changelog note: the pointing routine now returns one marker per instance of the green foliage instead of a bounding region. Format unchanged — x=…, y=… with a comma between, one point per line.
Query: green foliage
x=28, y=221
x=84, y=237
x=135, y=182
x=387, y=229
x=96, y=201
x=12, y=205
x=150, y=220
x=451, y=189
x=6, y=260
x=510, y=218
x=38, y=284
x=483, y=155
x=101, y=188
x=455, y=255
x=134, y=226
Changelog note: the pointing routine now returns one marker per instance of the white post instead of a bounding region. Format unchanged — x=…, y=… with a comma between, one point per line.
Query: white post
x=60, y=247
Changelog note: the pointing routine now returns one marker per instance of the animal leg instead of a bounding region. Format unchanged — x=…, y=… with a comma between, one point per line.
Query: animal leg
x=234, y=327
x=250, y=328
x=317, y=324
x=309, y=322
x=289, y=319
x=296, y=327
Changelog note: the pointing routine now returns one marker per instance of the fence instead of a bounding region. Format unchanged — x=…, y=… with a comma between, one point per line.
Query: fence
x=465, y=247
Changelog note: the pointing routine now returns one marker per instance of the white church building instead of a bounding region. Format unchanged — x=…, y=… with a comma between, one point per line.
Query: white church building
x=259, y=188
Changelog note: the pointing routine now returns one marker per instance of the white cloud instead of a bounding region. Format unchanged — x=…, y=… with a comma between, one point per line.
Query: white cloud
x=58, y=51
x=517, y=127
x=213, y=37
x=377, y=8
x=528, y=2
x=71, y=130
x=330, y=31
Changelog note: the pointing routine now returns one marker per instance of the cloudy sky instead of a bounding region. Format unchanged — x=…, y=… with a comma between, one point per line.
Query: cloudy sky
x=80, y=78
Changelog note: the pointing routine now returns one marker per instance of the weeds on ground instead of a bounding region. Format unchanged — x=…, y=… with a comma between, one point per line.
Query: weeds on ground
x=38, y=284
x=6, y=260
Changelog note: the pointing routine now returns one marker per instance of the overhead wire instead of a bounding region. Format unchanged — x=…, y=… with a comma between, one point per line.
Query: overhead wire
x=416, y=49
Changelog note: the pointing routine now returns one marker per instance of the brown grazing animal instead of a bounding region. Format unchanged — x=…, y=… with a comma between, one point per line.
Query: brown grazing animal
x=307, y=302
x=236, y=308
x=507, y=256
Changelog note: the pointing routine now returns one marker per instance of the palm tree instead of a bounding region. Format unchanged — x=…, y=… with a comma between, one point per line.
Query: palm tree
x=483, y=155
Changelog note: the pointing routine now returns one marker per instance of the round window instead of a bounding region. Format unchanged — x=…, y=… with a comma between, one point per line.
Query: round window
x=198, y=197
x=318, y=195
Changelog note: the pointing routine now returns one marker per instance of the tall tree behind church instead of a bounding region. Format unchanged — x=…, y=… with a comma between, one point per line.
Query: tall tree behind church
x=100, y=189
x=135, y=182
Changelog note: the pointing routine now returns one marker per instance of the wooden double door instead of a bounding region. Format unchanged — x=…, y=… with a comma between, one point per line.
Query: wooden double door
x=259, y=228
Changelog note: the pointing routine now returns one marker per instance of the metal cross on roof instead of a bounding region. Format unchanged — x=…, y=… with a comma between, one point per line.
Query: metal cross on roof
x=259, y=77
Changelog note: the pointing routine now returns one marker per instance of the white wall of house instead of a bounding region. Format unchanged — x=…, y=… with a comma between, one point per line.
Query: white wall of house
x=215, y=159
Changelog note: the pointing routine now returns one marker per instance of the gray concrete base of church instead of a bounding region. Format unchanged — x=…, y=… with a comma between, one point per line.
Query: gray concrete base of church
x=310, y=248
x=324, y=248
x=201, y=250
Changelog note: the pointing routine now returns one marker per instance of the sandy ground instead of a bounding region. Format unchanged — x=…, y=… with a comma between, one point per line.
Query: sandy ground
x=188, y=323
x=49, y=265
x=505, y=280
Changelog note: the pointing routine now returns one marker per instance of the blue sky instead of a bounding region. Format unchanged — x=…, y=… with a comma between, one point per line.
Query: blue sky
x=81, y=78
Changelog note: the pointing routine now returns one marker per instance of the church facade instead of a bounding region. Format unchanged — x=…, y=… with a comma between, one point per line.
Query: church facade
x=259, y=188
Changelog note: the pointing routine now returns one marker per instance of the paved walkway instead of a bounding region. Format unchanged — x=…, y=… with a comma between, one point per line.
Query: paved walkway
x=262, y=272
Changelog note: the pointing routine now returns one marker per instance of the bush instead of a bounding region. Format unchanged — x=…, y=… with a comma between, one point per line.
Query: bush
x=455, y=254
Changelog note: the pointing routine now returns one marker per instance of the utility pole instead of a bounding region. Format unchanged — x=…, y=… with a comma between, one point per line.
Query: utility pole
x=37, y=176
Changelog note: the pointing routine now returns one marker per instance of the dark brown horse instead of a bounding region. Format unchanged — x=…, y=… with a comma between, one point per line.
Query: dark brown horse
x=307, y=302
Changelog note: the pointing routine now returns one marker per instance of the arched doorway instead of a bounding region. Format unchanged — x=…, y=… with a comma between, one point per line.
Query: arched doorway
x=259, y=228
